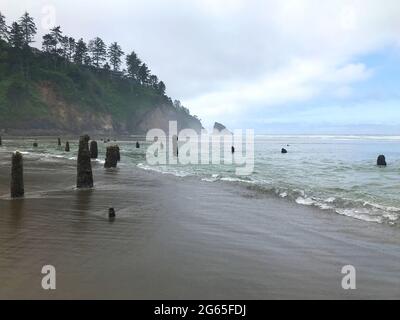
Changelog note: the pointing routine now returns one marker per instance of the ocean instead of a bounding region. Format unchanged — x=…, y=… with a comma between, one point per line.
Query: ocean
x=337, y=174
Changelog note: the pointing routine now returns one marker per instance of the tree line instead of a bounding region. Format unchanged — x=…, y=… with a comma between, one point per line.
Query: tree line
x=94, y=54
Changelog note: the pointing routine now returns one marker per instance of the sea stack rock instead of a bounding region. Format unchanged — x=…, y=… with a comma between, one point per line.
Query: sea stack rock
x=67, y=146
x=112, y=155
x=1, y=142
x=137, y=145
x=93, y=150
x=17, y=176
x=284, y=150
x=84, y=174
x=35, y=145
x=111, y=213
x=220, y=128
x=59, y=142
x=233, y=149
x=381, y=161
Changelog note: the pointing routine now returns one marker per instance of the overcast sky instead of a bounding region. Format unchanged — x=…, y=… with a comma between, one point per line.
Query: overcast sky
x=279, y=65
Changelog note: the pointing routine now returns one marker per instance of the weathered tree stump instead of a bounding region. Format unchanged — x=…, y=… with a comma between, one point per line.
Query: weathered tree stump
x=84, y=168
x=381, y=161
x=118, y=153
x=35, y=144
x=1, y=142
x=67, y=147
x=137, y=145
x=59, y=142
x=111, y=213
x=112, y=156
x=94, y=152
x=17, y=176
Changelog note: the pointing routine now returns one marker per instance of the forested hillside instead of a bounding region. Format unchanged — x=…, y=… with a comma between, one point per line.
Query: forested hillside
x=73, y=86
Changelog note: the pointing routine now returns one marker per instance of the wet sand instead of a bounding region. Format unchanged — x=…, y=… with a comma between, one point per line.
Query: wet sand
x=181, y=238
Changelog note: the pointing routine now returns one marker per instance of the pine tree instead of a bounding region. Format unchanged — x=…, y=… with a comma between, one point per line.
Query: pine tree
x=48, y=43
x=106, y=67
x=81, y=51
x=161, y=88
x=153, y=81
x=57, y=36
x=64, y=47
x=28, y=27
x=3, y=28
x=115, y=53
x=144, y=73
x=16, y=37
x=98, y=51
x=71, y=48
x=133, y=64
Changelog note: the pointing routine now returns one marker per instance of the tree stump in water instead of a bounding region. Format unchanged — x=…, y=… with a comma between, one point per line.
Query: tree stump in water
x=84, y=168
x=17, y=176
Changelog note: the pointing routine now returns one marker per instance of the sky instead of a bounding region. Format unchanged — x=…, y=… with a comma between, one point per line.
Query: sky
x=276, y=66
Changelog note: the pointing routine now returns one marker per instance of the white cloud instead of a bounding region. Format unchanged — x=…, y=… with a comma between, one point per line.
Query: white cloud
x=299, y=81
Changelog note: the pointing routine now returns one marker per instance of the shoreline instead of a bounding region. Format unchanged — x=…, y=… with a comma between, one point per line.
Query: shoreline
x=181, y=238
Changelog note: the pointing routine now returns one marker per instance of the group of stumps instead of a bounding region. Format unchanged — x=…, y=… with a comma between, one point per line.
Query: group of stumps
x=84, y=166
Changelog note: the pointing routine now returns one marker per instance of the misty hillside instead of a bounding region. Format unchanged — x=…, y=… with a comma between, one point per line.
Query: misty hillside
x=73, y=87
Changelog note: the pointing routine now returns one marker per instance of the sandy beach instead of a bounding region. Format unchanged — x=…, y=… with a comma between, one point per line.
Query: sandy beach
x=181, y=238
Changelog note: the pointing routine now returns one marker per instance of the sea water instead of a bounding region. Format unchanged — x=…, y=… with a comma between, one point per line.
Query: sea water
x=337, y=174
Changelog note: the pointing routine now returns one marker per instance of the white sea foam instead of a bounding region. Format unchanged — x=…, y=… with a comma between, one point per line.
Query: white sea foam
x=304, y=201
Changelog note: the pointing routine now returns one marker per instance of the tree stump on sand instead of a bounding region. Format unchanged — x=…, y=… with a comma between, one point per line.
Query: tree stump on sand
x=17, y=176
x=112, y=155
x=84, y=168
x=94, y=153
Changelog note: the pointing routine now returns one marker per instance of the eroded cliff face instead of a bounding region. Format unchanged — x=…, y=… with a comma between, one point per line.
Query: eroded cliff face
x=64, y=117
x=71, y=118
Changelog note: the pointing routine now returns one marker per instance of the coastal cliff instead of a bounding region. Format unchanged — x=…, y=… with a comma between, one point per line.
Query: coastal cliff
x=44, y=94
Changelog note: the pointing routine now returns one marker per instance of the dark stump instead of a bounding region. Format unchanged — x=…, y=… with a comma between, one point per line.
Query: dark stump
x=84, y=170
x=17, y=176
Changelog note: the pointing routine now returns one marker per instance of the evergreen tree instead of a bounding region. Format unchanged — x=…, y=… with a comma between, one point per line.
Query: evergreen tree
x=133, y=64
x=153, y=81
x=106, y=67
x=16, y=37
x=161, y=88
x=87, y=60
x=28, y=27
x=48, y=43
x=144, y=73
x=115, y=53
x=64, y=47
x=3, y=28
x=71, y=48
x=81, y=51
x=98, y=51
x=57, y=36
